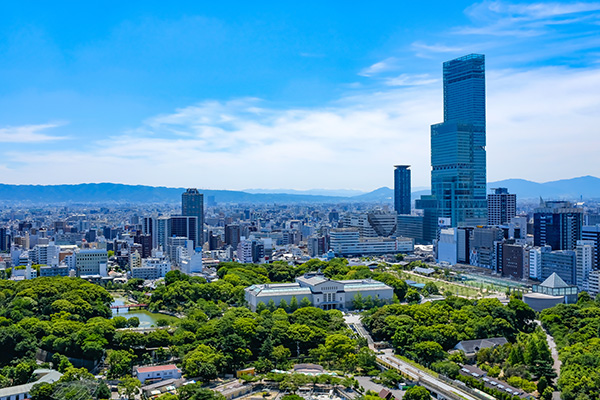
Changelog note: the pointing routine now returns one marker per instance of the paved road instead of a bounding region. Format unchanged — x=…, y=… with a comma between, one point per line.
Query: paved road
x=387, y=357
x=429, y=381
x=553, y=350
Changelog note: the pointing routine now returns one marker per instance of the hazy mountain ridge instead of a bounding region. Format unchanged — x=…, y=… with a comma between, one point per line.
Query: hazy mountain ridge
x=587, y=187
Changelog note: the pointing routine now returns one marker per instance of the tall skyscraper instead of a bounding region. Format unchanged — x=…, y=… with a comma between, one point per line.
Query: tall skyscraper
x=402, y=189
x=232, y=235
x=184, y=226
x=458, y=158
x=4, y=242
x=502, y=206
x=557, y=224
x=192, y=205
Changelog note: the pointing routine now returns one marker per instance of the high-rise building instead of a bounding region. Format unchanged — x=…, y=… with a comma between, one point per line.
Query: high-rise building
x=557, y=224
x=232, y=235
x=4, y=242
x=402, y=189
x=458, y=157
x=592, y=233
x=192, y=205
x=185, y=226
x=584, y=253
x=502, y=206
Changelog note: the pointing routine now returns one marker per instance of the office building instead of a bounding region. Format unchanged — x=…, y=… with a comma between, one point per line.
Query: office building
x=502, y=206
x=458, y=157
x=347, y=242
x=184, y=226
x=592, y=232
x=410, y=226
x=429, y=205
x=584, y=252
x=514, y=261
x=594, y=283
x=561, y=262
x=402, y=200
x=483, y=248
x=192, y=205
x=322, y=292
x=91, y=262
x=176, y=242
x=151, y=268
x=163, y=232
x=149, y=228
x=557, y=224
x=447, y=246
x=145, y=240
x=4, y=240
x=373, y=224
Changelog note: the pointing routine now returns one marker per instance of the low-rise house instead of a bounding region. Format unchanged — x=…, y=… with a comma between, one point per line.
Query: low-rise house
x=471, y=347
x=157, y=373
x=21, y=392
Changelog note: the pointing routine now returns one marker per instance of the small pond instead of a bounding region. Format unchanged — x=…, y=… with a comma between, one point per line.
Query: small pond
x=147, y=318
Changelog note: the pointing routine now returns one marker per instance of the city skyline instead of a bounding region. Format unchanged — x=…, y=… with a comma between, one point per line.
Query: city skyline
x=126, y=99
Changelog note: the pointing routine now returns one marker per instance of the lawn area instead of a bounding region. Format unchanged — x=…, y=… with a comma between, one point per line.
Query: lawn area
x=444, y=286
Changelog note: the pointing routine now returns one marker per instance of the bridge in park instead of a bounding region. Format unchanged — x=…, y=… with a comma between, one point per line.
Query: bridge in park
x=128, y=306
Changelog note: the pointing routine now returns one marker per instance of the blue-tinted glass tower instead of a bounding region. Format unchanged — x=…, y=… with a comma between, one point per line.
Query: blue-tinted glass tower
x=402, y=189
x=458, y=158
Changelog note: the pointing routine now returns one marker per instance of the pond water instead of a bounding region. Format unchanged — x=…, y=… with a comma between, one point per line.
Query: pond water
x=147, y=318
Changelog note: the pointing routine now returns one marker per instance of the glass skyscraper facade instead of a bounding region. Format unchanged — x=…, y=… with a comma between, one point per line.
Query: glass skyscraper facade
x=458, y=158
x=192, y=205
x=402, y=189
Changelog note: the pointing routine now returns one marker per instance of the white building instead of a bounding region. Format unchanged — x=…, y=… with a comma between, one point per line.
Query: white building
x=535, y=262
x=173, y=245
x=21, y=392
x=594, y=283
x=322, y=292
x=44, y=254
x=347, y=241
x=91, y=262
x=584, y=254
x=447, y=246
x=192, y=263
x=157, y=373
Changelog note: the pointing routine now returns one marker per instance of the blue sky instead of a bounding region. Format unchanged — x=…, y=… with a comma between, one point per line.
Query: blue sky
x=283, y=94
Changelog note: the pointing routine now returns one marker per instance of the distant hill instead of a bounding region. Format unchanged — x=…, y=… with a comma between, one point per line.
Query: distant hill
x=587, y=187
x=311, y=192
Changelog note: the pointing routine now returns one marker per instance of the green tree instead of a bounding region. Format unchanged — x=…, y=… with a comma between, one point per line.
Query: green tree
x=210, y=359
x=119, y=363
x=42, y=391
x=129, y=387
x=103, y=391
x=280, y=355
x=293, y=304
x=412, y=296
x=417, y=393
x=283, y=305
x=429, y=352
x=133, y=322
x=542, y=384
x=305, y=302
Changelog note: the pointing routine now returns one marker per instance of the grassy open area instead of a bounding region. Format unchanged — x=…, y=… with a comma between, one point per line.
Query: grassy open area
x=443, y=286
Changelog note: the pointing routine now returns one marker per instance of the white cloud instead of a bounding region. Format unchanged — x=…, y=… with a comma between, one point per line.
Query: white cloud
x=541, y=126
x=386, y=65
x=498, y=18
x=411, y=80
x=28, y=134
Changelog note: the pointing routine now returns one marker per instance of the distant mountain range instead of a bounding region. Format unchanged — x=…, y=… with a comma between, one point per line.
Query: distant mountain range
x=586, y=187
